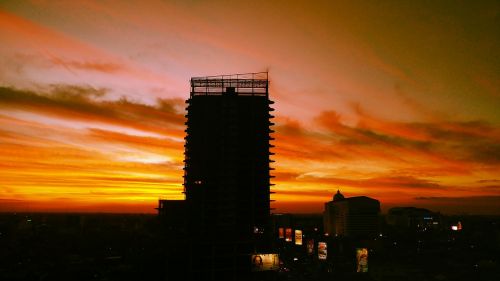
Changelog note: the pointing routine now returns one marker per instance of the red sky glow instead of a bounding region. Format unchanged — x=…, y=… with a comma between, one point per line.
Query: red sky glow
x=394, y=100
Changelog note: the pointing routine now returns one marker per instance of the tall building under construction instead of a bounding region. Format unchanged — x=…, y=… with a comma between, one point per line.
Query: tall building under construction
x=224, y=218
x=227, y=156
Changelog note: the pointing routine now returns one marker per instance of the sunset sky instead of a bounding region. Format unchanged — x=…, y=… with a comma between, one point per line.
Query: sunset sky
x=396, y=100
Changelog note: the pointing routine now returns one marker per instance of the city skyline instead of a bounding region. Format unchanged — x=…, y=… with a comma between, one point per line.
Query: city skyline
x=395, y=101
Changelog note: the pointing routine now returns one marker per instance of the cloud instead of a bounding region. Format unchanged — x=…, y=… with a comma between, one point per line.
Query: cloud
x=74, y=142
x=20, y=63
x=378, y=108
x=163, y=145
x=489, y=181
x=81, y=103
x=394, y=161
x=76, y=137
x=105, y=67
x=319, y=193
x=292, y=138
x=475, y=141
x=383, y=182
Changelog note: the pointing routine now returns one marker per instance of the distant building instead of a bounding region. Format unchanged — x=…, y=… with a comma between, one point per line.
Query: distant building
x=414, y=218
x=354, y=216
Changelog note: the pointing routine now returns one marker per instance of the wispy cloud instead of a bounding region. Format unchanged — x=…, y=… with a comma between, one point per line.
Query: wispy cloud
x=82, y=104
x=385, y=158
x=72, y=141
x=110, y=68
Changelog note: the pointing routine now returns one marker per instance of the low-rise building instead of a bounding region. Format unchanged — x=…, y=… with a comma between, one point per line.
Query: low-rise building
x=354, y=216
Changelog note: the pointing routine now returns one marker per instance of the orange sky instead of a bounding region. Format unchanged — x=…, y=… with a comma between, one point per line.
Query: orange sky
x=397, y=101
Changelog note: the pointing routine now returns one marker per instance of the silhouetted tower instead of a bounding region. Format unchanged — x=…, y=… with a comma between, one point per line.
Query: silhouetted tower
x=227, y=156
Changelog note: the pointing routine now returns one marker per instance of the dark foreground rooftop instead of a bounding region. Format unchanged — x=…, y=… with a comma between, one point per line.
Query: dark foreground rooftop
x=134, y=247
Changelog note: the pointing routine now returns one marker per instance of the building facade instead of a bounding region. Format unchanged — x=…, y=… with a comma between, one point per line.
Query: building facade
x=413, y=218
x=227, y=155
x=227, y=179
x=351, y=217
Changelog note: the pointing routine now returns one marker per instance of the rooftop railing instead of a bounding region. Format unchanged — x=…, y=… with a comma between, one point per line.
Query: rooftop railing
x=248, y=84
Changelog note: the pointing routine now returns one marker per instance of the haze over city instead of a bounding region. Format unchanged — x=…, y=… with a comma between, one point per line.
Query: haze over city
x=393, y=100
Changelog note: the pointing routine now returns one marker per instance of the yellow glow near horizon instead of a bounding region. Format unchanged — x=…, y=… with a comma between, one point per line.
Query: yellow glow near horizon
x=92, y=115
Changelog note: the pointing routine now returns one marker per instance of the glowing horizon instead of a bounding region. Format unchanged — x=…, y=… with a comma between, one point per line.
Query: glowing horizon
x=399, y=103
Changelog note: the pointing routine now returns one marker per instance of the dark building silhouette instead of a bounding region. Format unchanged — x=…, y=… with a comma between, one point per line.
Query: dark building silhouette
x=413, y=218
x=226, y=177
x=227, y=172
x=173, y=213
x=351, y=217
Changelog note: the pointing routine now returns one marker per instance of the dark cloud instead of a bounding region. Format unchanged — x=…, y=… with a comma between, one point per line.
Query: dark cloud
x=373, y=138
x=484, y=152
x=293, y=141
x=475, y=141
x=363, y=135
x=290, y=127
x=57, y=99
x=75, y=93
x=85, y=103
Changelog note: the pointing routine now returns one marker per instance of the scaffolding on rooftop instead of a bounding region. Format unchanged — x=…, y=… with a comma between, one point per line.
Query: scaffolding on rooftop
x=243, y=84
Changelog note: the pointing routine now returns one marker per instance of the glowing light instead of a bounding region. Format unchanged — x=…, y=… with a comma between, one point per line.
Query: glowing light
x=265, y=262
x=298, y=237
x=281, y=233
x=288, y=235
x=362, y=259
x=322, y=250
